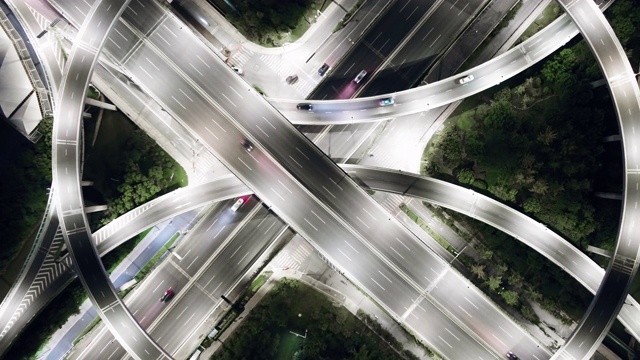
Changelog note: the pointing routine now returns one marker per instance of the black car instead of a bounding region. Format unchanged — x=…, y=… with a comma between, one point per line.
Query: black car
x=247, y=145
x=323, y=69
x=307, y=107
x=512, y=356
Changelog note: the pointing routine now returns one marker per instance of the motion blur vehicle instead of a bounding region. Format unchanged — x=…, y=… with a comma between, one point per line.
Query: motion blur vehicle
x=237, y=204
x=466, y=79
x=167, y=295
x=323, y=69
x=512, y=356
x=237, y=70
x=360, y=76
x=247, y=145
x=387, y=101
x=307, y=107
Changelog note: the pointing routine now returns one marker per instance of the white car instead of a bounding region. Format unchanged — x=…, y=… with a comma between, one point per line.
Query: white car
x=237, y=69
x=237, y=204
x=466, y=79
x=360, y=76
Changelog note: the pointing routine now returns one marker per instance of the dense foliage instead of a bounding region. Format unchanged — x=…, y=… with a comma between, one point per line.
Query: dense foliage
x=537, y=145
x=142, y=171
x=263, y=21
x=23, y=194
x=332, y=332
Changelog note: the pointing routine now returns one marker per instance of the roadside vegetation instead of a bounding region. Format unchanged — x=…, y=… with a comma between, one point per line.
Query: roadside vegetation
x=128, y=169
x=274, y=23
x=537, y=144
x=24, y=191
x=267, y=332
x=42, y=327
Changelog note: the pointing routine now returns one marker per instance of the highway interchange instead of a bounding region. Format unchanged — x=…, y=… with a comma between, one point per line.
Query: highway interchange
x=144, y=57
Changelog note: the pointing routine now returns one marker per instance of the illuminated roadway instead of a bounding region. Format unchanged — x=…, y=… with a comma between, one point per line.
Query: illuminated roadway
x=318, y=191
x=380, y=268
x=66, y=178
x=625, y=94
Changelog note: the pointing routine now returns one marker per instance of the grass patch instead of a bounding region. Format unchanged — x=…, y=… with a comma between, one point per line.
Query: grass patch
x=331, y=332
x=549, y=14
x=86, y=330
x=259, y=90
x=289, y=345
x=259, y=281
x=439, y=239
x=156, y=257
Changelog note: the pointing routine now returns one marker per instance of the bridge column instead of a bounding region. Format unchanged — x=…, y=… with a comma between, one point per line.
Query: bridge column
x=609, y=195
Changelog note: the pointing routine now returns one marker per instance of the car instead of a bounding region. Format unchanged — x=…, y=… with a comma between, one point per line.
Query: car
x=237, y=204
x=512, y=356
x=167, y=295
x=307, y=107
x=238, y=70
x=387, y=101
x=360, y=76
x=291, y=79
x=466, y=79
x=323, y=69
x=247, y=145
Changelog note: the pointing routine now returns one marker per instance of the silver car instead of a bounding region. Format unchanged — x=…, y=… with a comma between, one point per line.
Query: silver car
x=360, y=76
x=466, y=79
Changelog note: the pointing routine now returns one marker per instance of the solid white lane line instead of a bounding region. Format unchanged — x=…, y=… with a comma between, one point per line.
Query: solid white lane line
x=444, y=341
x=280, y=196
x=194, y=68
x=301, y=153
x=265, y=119
x=204, y=62
x=449, y=331
x=378, y=284
x=308, y=222
x=234, y=253
x=365, y=224
x=394, y=250
x=284, y=186
x=352, y=248
x=221, y=128
x=219, y=231
x=327, y=190
x=245, y=164
x=345, y=255
x=185, y=94
x=465, y=311
x=234, y=90
x=385, y=276
x=472, y=304
x=314, y=213
x=154, y=290
x=294, y=160
x=259, y=128
x=232, y=103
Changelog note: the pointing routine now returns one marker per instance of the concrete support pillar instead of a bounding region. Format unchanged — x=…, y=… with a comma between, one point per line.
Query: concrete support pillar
x=608, y=195
x=598, y=251
x=100, y=104
x=612, y=138
x=96, y=208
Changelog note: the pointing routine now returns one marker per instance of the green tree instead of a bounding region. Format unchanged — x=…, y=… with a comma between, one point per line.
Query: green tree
x=466, y=176
x=510, y=297
x=494, y=282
